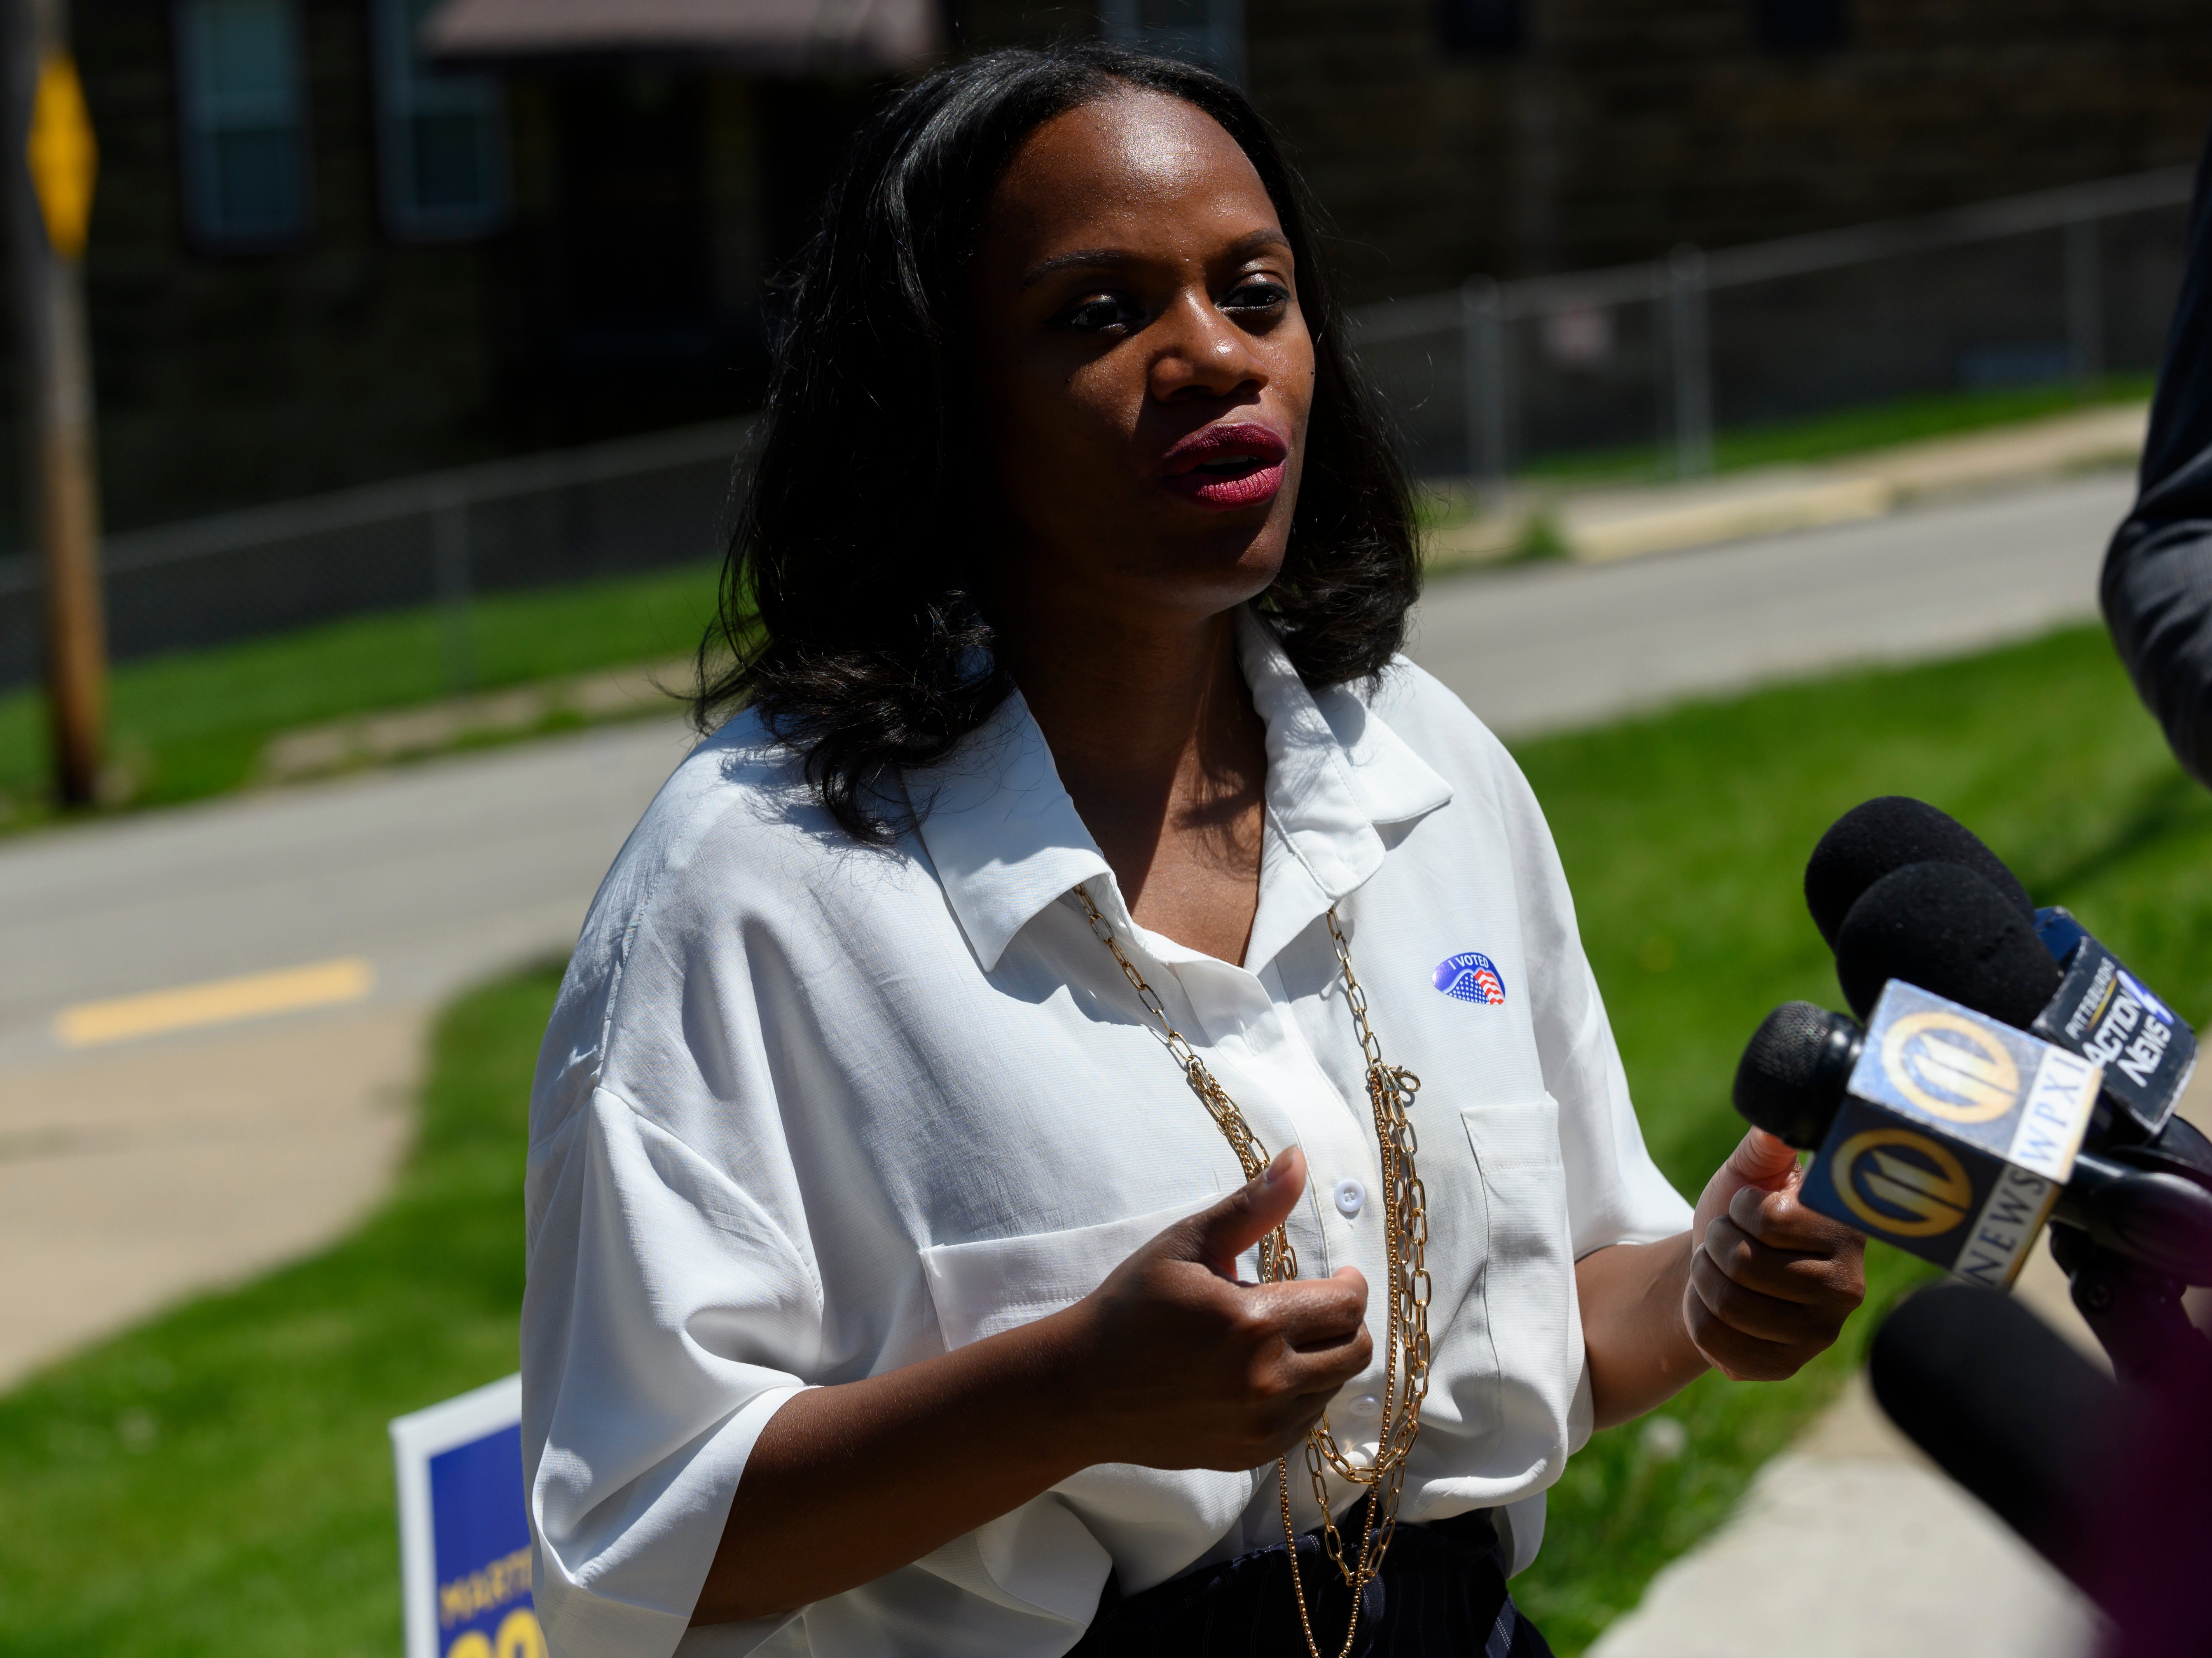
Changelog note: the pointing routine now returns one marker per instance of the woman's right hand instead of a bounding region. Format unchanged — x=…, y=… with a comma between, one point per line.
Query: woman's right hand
x=1178, y=1365
x=1169, y=1363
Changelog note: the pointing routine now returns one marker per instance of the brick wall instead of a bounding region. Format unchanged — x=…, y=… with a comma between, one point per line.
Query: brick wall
x=226, y=378
x=1624, y=126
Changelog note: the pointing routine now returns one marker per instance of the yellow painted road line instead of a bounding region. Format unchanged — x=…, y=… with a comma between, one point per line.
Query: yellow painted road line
x=218, y=1001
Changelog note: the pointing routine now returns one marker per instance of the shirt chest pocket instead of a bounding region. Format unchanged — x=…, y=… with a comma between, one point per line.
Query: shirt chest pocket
x=994, y=1284
x=1152, y=1522
x=1527, y=1288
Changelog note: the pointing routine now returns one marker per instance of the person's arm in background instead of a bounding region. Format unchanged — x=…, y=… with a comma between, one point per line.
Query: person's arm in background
x=2157, y=588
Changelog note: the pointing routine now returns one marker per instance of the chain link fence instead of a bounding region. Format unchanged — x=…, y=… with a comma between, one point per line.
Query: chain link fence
x=539, y=521
x=2073, y=284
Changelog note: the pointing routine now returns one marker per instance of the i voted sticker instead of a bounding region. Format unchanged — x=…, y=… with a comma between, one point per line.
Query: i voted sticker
x=1473, y=977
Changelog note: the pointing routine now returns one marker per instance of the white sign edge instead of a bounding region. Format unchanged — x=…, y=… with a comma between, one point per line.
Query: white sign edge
x=415, y=1438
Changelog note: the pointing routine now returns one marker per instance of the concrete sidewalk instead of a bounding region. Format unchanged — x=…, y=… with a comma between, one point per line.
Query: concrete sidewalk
x=130, y=1180
x=1599, y=524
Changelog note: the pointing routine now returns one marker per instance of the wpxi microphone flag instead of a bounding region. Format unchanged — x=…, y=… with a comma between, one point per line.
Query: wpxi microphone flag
x=1954, y=1136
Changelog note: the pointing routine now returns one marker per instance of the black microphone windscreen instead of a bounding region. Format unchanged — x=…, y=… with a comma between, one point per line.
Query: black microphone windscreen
x=1945, y=929
x=1791, y=1077
x=1871, y=839
x=2006, y=1407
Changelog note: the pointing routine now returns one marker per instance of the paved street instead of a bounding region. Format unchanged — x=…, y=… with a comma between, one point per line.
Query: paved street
x=1549, y=645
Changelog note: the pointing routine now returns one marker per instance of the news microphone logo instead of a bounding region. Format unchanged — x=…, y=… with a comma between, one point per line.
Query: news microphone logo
x=2103, y=1012
x=1903, y=1185
x=1951, y=1068
x=1955, y=1136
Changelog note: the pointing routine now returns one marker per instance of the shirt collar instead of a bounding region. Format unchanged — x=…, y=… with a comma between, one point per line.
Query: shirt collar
x=1006, y=840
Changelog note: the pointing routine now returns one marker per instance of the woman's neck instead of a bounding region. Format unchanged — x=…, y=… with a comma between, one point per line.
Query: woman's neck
x=1156, y=739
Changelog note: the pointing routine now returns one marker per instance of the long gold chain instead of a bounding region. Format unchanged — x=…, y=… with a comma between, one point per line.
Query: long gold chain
x=1391, y=1089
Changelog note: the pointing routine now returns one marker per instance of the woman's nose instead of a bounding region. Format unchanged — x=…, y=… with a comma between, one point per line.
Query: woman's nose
x=1204, y=354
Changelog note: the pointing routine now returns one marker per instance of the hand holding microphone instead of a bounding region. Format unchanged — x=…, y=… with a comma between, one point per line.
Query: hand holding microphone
x=1771, y=1281
x=1914, y=1171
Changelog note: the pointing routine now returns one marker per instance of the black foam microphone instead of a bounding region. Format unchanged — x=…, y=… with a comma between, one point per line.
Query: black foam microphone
x=1795, y=1070
x=2008, y=1409
x=1871, y=839
x=1946, y=928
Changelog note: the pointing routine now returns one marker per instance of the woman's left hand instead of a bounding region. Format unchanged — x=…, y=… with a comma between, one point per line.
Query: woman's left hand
x=1770, y=1282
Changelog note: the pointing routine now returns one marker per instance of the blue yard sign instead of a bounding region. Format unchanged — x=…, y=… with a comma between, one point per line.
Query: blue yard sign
x=464, y=1528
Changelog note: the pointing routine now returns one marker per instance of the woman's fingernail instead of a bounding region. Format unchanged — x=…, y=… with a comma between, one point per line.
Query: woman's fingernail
x=1276, y=1170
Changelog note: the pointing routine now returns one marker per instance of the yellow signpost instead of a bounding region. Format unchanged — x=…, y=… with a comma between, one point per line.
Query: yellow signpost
x=49, y=213
x=63, y=159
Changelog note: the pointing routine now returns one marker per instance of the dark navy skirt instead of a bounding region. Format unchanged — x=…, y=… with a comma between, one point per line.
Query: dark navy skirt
x=1441, y=1594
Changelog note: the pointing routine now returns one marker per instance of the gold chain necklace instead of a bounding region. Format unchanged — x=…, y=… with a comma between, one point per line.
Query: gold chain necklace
x=1391, y=1089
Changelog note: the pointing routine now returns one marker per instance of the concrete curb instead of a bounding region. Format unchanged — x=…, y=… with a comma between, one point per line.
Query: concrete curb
x=319, y=751
x=1601, y=525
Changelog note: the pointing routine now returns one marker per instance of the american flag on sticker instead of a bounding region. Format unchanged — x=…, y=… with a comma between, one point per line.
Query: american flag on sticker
x=1472, y=977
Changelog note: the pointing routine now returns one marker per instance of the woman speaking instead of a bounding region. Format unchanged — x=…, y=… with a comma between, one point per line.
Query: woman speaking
x=1079, y=1120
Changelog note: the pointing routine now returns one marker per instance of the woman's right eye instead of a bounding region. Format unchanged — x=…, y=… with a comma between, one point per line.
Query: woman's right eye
x=1097, y=313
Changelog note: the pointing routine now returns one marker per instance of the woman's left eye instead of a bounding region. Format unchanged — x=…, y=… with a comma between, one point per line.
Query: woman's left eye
x=1260, y=294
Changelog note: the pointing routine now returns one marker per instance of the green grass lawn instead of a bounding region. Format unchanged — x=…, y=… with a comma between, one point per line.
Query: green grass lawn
x=217, y=1482
x=194, y=723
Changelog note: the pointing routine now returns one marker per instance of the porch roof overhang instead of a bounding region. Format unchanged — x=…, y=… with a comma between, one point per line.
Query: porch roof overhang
x=768, y=37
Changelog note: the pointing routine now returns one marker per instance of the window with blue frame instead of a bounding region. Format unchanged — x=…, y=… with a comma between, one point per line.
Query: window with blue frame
x=242, y=115
x=441, y=136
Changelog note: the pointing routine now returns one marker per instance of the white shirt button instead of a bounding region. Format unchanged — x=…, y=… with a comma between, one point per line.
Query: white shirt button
x=1350, y=1198
x=1366, y=1405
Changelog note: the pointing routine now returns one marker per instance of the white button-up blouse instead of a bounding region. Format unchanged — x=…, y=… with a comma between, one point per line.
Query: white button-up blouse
x=808, y=1110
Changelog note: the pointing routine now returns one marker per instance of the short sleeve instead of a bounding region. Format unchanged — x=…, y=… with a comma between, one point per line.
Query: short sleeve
x=672, y=1305
x=662, y=1312
x=1615, y=1192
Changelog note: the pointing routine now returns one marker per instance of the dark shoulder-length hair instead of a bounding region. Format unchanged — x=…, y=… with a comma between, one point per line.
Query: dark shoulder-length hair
x=847, y=617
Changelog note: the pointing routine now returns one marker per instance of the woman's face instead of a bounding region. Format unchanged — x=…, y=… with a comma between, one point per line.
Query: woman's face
x=1143, y=368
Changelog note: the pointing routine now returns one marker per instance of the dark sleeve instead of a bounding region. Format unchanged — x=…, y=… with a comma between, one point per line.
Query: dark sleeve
x=2157, y=588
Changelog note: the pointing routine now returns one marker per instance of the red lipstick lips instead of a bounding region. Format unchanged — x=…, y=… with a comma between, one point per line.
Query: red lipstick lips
x=1228, y=466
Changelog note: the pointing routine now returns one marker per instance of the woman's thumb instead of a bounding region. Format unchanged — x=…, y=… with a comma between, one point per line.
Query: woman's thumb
x=1249, y=1214
x=1762, y=1160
